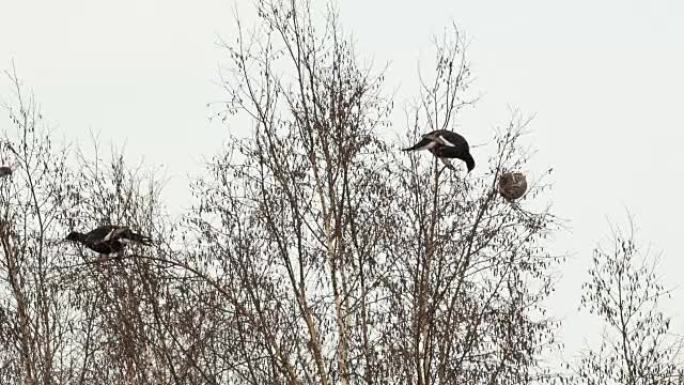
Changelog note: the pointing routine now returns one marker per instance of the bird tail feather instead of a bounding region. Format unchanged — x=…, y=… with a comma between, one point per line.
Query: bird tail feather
x=143, y=239
x=139, y=238
x=424, y=144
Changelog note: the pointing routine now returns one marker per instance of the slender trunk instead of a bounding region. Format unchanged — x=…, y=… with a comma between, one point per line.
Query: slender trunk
x=22, y=310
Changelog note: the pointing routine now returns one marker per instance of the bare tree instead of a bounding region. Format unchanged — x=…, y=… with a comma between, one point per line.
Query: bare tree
x=469, y=269
x=116, y=295
x=69, y=316
x=316, y=252
x=338, y=261
x=637, y=346
x=30, y=327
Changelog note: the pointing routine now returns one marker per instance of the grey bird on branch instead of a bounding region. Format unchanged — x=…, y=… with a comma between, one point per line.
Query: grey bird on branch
x=108, y=238
x=445, y=145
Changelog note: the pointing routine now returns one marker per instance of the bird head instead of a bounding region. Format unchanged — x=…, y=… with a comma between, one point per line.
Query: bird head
x=470, y=162
x=73, y=236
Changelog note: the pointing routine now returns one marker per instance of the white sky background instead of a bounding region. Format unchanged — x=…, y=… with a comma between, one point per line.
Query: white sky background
x=604, y=79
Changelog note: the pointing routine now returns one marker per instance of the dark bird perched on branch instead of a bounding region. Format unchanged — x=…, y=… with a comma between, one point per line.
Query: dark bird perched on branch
x=444, y=145
x=108, y=238
x=5, y=170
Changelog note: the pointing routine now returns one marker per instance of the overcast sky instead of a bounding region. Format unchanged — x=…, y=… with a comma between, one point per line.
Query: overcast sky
x=604, y=79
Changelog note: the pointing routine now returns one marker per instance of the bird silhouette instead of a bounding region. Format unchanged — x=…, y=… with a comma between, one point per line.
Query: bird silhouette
x=445, y=145
x=108, y=238
x=5, y=170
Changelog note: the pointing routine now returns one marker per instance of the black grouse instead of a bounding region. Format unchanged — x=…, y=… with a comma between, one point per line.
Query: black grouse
x=5, y=170
x=445, y=144
x=108, y=238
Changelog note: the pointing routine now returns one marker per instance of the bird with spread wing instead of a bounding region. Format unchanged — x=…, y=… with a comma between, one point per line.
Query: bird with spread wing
x=445, y=145
x=108, y=238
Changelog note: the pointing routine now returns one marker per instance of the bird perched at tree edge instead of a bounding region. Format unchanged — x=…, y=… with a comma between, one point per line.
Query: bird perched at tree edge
x=5, y=170
x=445, y=145
x=108, y=238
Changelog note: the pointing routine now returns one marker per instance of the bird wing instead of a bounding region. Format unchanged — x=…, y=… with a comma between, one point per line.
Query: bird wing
x=115, y=233
x=447, y=138
x=425, y=144
x=443, y=140
x=129, y=235
x=100, y=232
x=107, y=247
